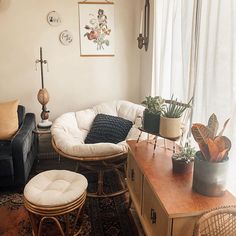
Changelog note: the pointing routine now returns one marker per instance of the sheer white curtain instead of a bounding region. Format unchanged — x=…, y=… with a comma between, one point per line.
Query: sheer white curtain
x=215, y=74
x=173, y=33
x=215, y=78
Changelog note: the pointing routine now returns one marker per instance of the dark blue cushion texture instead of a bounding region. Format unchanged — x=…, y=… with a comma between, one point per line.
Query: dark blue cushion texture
x=108, y=129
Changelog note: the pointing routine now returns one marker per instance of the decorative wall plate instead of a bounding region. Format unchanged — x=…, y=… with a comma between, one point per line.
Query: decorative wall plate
x=53, y=18
x=66, y=37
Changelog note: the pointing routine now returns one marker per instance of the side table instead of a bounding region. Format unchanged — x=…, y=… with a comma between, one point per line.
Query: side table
x=44, y=147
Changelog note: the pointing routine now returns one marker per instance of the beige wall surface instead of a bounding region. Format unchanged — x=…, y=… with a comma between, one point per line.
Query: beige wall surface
x=73, y=82
x=146, y=71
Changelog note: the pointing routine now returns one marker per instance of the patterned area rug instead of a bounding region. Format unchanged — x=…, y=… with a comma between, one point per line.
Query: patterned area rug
x=107, y=216
x=102, y=216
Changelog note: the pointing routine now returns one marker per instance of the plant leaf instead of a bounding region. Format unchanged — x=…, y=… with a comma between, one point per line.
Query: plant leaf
x=223, y=143
x=200, y=133
x=213, y=150
x=218, y=148
x=225, y=124
x=213, y=125
x=222, y=155
x=205, y=151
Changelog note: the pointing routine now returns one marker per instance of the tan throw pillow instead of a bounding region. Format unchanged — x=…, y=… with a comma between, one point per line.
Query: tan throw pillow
x=8, y=119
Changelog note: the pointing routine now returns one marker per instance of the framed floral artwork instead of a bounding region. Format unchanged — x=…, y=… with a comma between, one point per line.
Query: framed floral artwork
x=96, y=22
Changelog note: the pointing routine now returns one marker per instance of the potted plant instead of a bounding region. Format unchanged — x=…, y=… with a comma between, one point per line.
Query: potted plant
x=170, y=120
x=151, y=115
x=182, y=161
x=211, y=162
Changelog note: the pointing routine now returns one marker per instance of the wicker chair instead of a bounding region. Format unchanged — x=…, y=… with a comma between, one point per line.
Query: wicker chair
x=217, y=222
x=68, y=138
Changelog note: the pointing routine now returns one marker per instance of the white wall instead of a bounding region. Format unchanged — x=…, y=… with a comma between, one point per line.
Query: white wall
x=146, y=72
x=73, y=82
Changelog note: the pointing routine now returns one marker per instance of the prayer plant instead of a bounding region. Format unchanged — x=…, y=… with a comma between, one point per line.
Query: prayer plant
x=155, y=104
x=214, y=147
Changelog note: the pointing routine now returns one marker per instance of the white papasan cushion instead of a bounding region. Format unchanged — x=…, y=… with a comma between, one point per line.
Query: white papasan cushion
x=70, y=129
x=55, y=188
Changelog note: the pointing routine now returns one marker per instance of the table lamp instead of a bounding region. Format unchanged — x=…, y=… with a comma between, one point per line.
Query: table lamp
x=43, y=96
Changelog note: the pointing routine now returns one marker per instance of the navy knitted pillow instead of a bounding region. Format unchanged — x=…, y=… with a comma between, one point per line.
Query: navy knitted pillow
x=108, y=129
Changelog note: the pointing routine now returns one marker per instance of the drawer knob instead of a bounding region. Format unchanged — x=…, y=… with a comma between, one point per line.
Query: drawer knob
x=153, y=216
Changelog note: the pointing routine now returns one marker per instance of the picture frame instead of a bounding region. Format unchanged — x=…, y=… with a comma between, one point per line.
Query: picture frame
x=96, y=25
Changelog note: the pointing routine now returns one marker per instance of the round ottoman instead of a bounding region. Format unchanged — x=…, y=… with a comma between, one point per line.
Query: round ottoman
x=58, y=195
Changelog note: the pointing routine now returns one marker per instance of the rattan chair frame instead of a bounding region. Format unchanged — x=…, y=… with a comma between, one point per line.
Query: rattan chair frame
x=220, y=221
x=38, y=214
x=100, y=164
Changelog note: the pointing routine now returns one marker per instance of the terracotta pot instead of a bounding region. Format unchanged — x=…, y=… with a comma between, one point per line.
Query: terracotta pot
x=181, y=167
x=170, y=127
x=209, y=178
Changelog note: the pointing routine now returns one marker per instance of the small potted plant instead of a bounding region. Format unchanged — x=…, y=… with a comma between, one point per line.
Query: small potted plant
x=151, y=115
x=170, y=120
x=211, y=162
x=182, y=161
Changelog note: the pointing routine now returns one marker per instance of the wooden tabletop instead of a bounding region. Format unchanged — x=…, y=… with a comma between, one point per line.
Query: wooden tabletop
x=174, y=190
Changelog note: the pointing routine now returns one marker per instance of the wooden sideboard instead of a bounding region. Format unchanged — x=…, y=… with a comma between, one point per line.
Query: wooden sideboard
x=165, y=202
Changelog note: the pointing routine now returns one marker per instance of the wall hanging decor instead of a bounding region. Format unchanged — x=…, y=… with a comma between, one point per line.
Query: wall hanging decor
x=66, y=37
x=143, y=38
x=96, y=22
x=53, y=18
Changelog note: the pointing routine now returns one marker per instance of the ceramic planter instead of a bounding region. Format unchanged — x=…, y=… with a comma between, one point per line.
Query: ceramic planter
x=151, y=122
x=170, y=127
x=181, y=167
x=209, y=178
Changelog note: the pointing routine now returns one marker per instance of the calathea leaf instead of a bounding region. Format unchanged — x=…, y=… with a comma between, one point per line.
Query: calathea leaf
x=205, y=151
x=213, y=150
x=200, y=133
x=222, y=155
x=213, y=125
x=225, y=124
x=223, y=143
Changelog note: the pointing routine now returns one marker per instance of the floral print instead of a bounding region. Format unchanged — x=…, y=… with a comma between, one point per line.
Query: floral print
x=98, y=31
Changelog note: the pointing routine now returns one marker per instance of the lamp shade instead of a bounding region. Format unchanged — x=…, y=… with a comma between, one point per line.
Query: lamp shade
x=43, y=96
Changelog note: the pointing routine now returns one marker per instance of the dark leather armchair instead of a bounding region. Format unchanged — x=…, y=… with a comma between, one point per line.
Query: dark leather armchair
x=17, y=155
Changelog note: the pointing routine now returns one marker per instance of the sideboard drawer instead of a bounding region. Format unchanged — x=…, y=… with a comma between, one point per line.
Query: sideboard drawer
x=134, y=179
x=184, y=226
x=154, y=216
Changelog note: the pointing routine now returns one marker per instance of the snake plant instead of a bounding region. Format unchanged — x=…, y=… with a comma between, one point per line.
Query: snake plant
x=175, y=109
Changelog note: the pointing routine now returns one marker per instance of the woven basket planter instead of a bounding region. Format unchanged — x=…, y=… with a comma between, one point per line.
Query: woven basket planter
x=170, y=127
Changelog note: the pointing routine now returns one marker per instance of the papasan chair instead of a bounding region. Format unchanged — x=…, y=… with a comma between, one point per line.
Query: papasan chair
x=96, y=139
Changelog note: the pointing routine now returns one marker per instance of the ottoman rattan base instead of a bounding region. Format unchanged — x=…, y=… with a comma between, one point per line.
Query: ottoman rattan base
x=58, y=197
x=39, y=214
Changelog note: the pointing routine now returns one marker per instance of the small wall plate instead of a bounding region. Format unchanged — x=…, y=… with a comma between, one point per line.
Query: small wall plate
x=53, y=18
x=66, y=37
